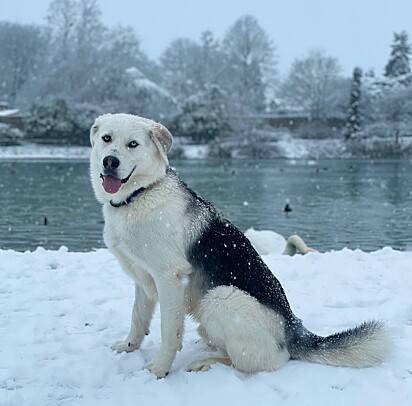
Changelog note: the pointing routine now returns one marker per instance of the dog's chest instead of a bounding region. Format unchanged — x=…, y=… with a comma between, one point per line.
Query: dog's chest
x=153, y=240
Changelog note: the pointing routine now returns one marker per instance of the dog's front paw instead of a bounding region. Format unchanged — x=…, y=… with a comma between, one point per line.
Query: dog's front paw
x=124, y=346
x=156, y=369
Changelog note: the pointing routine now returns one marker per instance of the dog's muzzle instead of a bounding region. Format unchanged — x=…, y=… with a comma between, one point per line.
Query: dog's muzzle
x=111, y=183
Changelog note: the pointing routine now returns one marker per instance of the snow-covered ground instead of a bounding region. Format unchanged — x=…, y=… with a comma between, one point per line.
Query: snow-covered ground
x=60, y=312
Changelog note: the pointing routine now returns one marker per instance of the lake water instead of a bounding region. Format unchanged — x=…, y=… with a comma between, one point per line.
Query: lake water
x=335, y=203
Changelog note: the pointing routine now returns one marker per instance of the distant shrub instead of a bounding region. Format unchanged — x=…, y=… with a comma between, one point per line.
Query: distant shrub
x=317, y=130
x=57, y=123
x=10, y=135
x=379, y=148
x=203, y=117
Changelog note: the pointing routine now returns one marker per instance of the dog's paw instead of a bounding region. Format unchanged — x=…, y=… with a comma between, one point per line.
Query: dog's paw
x=124, y=346
x=156, y=369
x=199, y=366
x=205, y=364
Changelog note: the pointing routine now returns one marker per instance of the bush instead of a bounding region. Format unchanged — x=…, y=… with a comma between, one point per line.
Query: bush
x=317, y=130
x=10, y=135
x=204, y=116
x=57, y=123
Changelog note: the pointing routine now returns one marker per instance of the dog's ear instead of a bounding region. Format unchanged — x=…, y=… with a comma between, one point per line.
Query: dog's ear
x=95, y=128
x=93, y=132
x=162, y=139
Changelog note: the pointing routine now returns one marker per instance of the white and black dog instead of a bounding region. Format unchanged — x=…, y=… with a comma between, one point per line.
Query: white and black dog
x=182, y=252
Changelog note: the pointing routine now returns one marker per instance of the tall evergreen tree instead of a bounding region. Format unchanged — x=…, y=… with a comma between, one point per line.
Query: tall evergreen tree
x=353, y=121
x=399, y=61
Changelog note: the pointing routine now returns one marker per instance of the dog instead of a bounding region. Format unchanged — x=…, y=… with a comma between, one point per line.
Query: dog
x=181, y=252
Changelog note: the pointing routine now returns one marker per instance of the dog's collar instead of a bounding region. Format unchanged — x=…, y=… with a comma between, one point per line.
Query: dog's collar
x=129, y=198
x=137, y=192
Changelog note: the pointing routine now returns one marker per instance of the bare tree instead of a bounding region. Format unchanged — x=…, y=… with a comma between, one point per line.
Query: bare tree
x=21, y=48
x=310, y=84
x=211, y=66
x=76, y=37
x=250, y=63
x=180, y=63
x=61, y=20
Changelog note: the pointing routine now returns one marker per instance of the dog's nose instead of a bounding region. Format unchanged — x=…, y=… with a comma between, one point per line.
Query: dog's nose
x=111, y=162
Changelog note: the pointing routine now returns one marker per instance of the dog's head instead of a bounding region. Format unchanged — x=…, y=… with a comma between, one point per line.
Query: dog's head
x=128, y=152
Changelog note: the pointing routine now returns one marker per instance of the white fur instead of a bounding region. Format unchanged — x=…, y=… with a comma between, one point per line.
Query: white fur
x=250, y=334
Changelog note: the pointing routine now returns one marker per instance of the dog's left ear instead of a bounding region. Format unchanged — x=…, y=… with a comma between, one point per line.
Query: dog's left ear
x=162, y=138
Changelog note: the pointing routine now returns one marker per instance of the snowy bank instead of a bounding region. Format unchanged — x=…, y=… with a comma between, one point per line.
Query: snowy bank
x=61, y=311
x=277, y=145
x=36, y=151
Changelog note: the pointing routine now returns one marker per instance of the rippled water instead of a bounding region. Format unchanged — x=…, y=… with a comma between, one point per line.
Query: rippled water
x=335, y=203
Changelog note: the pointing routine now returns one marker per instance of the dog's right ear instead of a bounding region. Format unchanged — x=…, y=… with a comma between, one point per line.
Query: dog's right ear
x=93, y=132
x=95, y=128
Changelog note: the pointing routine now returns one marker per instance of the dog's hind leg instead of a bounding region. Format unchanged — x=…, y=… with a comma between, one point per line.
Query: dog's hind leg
x=251, y=334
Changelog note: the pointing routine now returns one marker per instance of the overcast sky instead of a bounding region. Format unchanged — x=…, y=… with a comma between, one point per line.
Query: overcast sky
x=357, y=32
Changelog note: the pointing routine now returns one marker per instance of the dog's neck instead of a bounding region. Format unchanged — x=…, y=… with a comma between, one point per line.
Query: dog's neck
x=134, y=195
x=129, y=198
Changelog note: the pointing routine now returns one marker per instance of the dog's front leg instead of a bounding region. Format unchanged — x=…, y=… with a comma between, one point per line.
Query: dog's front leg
x=141, y=316
x=171, y=297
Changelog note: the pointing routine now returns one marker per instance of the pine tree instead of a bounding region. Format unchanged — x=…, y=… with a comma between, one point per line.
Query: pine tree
x=399, y=61
x=353, y=121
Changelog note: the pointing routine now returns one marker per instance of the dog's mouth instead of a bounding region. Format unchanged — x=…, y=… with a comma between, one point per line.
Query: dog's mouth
x=111, y=184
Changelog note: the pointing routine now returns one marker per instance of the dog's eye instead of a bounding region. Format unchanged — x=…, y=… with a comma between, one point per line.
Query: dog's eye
x=133, y=144
x=107, y=138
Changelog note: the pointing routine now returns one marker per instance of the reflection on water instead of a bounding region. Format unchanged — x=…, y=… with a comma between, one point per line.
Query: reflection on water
x=335, y=203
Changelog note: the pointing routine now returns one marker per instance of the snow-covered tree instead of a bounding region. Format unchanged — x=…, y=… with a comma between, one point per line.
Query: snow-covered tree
x=353, y=121
x=57, y=121
x=141, y=96
x=310, y=84
x=204, y=115
x=399, y=60
x=108, y=80
x=250, y=64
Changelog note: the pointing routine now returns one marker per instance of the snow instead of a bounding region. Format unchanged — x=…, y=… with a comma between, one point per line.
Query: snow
x=141, y=82
x=9, y=112
x=35, y=151
x=61, y=311
x=195, y=151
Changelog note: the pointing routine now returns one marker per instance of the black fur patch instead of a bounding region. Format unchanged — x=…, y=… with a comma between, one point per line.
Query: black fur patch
x=224, y=256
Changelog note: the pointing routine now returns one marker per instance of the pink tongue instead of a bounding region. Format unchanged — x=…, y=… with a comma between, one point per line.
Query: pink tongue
x=111, y=184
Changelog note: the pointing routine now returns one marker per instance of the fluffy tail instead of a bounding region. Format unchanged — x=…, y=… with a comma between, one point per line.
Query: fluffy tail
x=365, y=345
